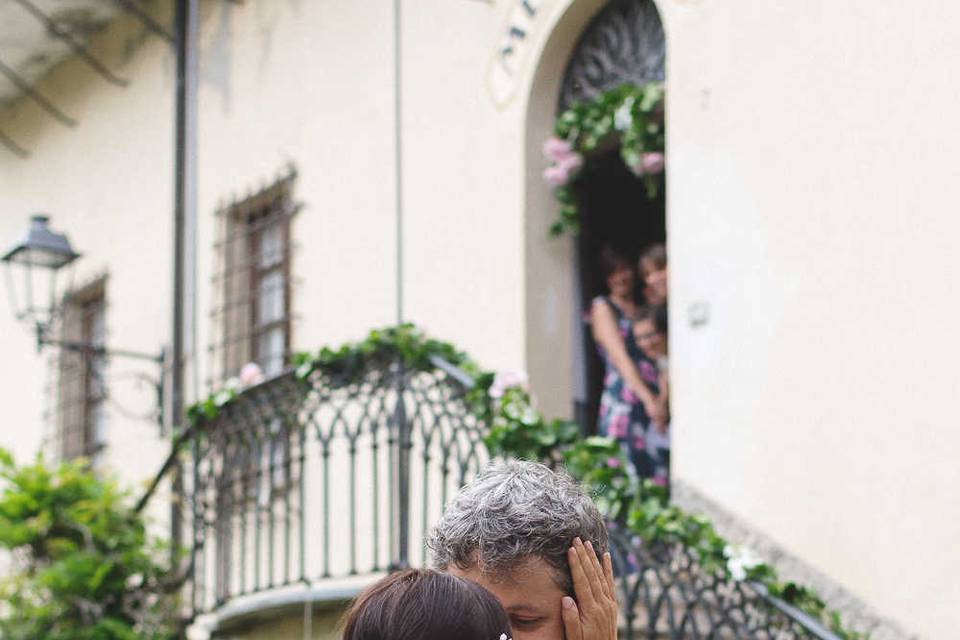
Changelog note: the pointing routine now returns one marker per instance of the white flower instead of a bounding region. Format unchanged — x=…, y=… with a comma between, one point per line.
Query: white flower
x=508, y=379
x=232, y=384
x=529, y=415
x=740, y=560
x=623, y=116
x=224, y=396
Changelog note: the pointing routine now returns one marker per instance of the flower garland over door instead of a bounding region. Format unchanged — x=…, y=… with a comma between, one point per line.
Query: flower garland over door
x=628, y=116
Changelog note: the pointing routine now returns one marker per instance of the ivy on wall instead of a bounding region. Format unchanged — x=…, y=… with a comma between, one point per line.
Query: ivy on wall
x=517, y=429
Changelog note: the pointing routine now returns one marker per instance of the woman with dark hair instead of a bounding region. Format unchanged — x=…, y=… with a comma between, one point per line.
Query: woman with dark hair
x=420, y=604
x=653, y=269
x=626, y=404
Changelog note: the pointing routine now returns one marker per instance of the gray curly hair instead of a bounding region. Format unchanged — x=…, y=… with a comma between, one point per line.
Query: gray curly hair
x=512, y=512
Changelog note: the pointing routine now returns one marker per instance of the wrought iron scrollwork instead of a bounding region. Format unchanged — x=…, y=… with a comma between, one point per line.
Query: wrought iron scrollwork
x=623, y=44
x=302, y=480
x=665, y=593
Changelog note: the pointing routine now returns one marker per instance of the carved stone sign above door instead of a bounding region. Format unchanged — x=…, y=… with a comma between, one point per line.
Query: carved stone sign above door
x=517, y=36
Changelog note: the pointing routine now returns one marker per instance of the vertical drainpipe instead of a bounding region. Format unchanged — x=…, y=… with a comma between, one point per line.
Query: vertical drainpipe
x=398, y=149
x=184, y=226
x=400, y=558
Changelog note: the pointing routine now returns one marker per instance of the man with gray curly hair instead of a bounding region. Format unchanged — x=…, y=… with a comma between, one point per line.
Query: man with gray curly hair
x=533, y=538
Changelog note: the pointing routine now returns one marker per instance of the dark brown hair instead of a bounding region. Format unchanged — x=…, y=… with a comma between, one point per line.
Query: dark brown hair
x=660, y=317
x=655, y=313
x=611, y=260
x=420, y=604
x=656, y=255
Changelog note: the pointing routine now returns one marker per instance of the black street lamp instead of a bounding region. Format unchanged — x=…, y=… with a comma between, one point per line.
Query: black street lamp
x=38, y=257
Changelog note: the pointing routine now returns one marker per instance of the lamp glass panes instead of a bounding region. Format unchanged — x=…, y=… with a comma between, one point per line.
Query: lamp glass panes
x=38, y=257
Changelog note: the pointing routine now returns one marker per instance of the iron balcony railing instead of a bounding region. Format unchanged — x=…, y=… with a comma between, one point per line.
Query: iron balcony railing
x=301, y=481
x=664, y=593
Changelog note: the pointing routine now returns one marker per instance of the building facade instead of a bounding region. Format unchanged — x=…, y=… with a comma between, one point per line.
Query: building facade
x=357, y=167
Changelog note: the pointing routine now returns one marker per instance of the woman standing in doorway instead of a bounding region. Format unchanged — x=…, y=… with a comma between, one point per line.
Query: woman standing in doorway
x=626, y=404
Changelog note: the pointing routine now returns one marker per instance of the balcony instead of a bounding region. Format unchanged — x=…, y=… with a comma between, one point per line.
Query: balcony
x=306, y=487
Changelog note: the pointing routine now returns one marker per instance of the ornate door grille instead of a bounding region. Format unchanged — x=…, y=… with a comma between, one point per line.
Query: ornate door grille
x=624, y=44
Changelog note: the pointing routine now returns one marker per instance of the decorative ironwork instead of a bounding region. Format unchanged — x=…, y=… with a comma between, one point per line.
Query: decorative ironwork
x=664, y=593
x=623, y=44
x=297, y=481
x=81, y=393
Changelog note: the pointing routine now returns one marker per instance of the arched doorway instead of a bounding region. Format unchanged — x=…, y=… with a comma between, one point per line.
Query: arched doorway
x=623, y=44
x=566, y=67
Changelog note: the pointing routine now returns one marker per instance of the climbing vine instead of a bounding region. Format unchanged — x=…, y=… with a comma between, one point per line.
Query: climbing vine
x=517, y=429
x=629, y=117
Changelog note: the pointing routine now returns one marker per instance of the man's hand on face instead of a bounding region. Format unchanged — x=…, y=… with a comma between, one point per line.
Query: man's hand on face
x=593, y=616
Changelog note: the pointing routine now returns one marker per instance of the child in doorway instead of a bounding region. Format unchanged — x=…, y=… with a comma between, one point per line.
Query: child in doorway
x=650, y=334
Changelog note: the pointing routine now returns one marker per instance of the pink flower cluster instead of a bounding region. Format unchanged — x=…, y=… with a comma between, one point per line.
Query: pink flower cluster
x=509, y=379
x=251, y=374
x=566, y=161
x=651, y=162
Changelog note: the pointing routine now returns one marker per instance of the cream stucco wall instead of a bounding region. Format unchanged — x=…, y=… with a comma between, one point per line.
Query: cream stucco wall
x=811, y=174
x=107, y=184
x=812, y=179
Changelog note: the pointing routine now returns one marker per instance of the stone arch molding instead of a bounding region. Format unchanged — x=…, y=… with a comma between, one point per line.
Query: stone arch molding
x=624, y=43
x=617, y=39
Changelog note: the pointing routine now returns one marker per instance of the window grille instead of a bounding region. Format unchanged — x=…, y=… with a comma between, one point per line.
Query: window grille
x=81, y=393
x=252, y=318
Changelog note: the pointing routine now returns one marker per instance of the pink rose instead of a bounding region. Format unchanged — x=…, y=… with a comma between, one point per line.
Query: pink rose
x=508, y=379
x=555, y=148
x=555, y=176
x=652, y=162
x=251, y=374
x=570, y=162
x=613, y=463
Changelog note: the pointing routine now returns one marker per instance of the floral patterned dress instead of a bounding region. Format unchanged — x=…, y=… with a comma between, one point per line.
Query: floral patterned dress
x=622, y=415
